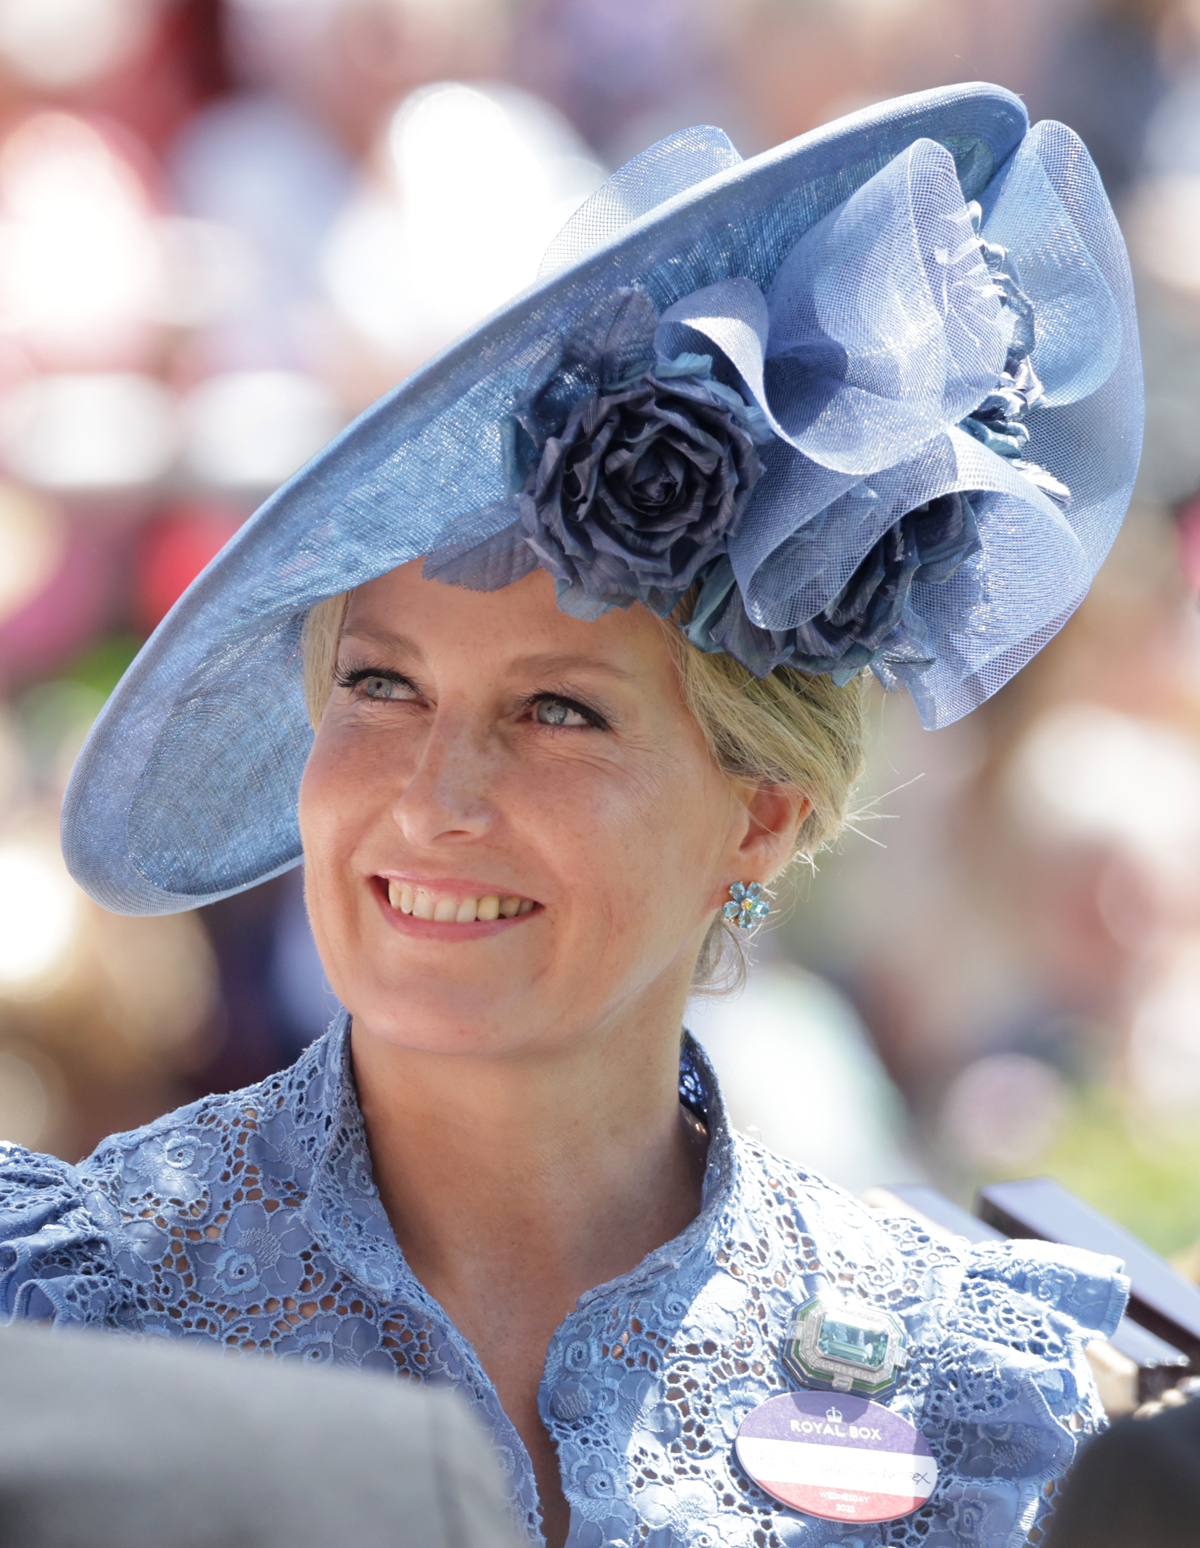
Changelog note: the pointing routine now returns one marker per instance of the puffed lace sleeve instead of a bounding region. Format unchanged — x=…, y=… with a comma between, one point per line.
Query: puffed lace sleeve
x=56, y=1246
x=1008, y=1392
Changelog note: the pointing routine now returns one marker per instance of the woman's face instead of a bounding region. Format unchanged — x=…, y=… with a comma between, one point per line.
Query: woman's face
x=513, y=829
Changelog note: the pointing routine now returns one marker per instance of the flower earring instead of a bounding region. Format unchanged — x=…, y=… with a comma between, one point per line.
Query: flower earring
x=748, y=906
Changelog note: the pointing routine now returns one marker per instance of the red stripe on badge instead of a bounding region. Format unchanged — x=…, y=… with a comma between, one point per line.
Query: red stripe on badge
x=841, y=1504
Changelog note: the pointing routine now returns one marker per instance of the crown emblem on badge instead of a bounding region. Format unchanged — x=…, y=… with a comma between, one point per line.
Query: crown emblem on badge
x=834, y=1415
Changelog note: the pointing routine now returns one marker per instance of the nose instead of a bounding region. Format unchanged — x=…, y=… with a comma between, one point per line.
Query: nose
x=446, y=796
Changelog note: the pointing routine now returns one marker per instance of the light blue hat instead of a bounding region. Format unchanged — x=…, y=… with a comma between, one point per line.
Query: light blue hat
x=875, y=396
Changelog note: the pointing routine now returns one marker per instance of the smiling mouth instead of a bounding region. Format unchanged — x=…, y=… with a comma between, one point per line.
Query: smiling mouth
x=443, y=908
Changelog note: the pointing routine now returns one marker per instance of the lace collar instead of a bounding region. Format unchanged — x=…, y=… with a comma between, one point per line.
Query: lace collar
x=346, y=1215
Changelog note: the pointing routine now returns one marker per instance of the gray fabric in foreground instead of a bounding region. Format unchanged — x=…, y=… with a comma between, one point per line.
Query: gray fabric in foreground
x=112, y=1441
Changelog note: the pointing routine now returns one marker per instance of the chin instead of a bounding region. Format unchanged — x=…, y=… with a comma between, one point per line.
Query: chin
x=432, y=1016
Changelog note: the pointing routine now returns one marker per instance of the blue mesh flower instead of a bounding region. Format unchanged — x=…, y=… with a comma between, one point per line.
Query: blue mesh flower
x=929, y=543
x=579, y=1355
x=853, y=630
x=999, y=420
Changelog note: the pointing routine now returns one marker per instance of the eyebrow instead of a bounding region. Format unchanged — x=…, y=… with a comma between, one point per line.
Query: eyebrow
x=550, y=662
x=564, y=663
x=400, y=643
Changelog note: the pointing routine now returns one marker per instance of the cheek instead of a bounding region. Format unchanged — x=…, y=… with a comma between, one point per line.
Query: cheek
x=642, y=851
x=349, y=779
x=318, y=808
x=318, y=839
x=334, y=804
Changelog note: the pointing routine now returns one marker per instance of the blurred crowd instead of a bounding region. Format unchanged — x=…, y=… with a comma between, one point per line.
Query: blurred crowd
x=227, y=225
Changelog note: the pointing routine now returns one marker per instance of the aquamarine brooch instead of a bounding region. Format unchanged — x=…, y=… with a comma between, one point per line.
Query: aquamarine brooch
x=850, y=1347
x=748, y=907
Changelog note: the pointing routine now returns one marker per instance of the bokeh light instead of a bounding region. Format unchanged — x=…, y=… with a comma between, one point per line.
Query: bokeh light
x=172, y=551
x=80, y=267
x=1086, y=771
x=253, y=429
x=58, y=43
x=468, y=171
x=88, y=430
x=25, y=1103
x=31, y=546
x=39, y=916
x=1004, y=1111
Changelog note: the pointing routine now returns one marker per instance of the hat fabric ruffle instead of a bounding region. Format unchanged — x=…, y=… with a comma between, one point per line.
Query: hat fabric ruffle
x=904, y=378
x=875, y=394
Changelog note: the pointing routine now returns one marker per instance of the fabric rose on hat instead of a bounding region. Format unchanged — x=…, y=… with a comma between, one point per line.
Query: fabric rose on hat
x=929, y=544
x=639, y=489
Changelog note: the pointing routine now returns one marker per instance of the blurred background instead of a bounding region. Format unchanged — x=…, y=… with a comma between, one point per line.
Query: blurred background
x=227, y=225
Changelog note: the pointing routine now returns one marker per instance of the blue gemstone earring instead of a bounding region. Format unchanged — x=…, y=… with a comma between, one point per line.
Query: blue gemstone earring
x=748, y=907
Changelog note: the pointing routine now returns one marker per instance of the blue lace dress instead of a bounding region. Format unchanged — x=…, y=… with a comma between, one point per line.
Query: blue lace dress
x=251, y=1221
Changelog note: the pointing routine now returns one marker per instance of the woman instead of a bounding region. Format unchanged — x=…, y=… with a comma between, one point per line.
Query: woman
x=763, y=425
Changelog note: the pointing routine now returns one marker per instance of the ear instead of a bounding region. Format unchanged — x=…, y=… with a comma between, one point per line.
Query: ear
x=774, y=814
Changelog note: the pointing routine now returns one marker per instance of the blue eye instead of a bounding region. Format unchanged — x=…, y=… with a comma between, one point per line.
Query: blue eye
x=385, y=688
x=375, y=684
x=558, y=712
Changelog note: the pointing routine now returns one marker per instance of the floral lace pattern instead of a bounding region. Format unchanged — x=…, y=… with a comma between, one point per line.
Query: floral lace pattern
x=252, y=1221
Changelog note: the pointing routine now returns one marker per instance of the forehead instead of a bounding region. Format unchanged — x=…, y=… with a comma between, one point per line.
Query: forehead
x=404, y=611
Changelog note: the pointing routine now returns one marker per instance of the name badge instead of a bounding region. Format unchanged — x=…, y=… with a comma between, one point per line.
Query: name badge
x=843, y=1458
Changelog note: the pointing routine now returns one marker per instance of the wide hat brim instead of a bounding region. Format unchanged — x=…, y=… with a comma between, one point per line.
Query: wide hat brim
x=186, y=789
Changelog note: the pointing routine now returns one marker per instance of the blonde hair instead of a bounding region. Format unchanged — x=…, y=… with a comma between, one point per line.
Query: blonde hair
x=788, y=728
x=319, y=647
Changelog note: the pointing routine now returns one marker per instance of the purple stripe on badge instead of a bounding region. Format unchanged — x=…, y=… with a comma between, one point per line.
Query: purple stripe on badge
x=835, y=1418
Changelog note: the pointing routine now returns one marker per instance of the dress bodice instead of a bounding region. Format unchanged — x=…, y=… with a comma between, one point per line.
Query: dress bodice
x=252, y=1221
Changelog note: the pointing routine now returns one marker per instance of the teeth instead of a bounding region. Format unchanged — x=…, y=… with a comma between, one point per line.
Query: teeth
x=422, y=904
